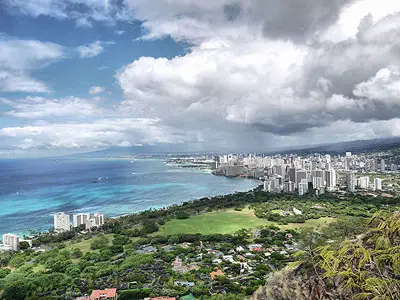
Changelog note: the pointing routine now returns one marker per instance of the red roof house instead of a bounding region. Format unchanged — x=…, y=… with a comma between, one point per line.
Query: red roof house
x=107, y=294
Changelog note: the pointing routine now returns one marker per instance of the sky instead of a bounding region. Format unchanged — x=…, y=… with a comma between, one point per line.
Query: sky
x=245, y=75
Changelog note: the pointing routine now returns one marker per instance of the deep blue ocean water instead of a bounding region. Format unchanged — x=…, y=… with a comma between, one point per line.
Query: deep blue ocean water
x=32, y=190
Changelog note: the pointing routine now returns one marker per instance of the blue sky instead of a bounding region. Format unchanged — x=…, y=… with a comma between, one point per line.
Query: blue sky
x=83, y=75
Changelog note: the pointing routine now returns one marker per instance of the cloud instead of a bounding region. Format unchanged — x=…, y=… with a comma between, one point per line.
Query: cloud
x=250, y=65
x=101, y=133
x=92, y=49
x=19, y=58
x=256, y=73
x=119, y=32
x=95, y=90
x=42, y=108
x=83, y=12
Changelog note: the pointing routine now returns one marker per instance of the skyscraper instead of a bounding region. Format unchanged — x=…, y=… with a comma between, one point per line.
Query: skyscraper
x=95, y=221
x=330, y=180
x=382, y=165
x=11, y=240
x=61, y=222
x=351, y=181
x=303, y=187
x=300, y=175
x=364, y=182
x=377, y=184
x=80, y=219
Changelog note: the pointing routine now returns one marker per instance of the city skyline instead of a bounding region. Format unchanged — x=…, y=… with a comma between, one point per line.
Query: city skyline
x=78, y=76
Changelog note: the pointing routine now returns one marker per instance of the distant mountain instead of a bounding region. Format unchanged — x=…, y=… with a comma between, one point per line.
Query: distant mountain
x=138, y=150
x=357, y=146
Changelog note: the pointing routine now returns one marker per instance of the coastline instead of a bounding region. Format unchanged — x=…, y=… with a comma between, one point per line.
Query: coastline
x=113, y=209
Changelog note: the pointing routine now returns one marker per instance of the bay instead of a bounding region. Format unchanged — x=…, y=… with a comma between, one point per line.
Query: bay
x=32, y=190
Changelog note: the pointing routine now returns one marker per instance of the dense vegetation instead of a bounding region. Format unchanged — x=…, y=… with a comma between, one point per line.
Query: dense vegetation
x=365, y=267
x=111, y=256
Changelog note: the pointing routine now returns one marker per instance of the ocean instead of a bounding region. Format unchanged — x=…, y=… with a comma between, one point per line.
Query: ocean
x=32, y=190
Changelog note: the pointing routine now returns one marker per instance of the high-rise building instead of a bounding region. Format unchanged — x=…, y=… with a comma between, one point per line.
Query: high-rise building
x=375, y=165
x=328, y=158
x=288, y=187
x=303, y=187
x=393, y=167
x=61, y=222
x=377, y=184
x=95, y=221
x=364, y=182
x=318, y=182
x=382, y=165
x=351, y=181
x=292, y=174
x=348, y=154
x=330, y=180
x=80, y=219
x=11, y=241
x=267, y=185
x=300, y=175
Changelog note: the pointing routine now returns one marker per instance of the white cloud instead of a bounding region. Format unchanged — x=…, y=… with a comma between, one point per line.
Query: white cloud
x=95, y=90
x=83, y=12
x=41, y=108
x=119, y=32
x=92, y=49
x=19, y=58
x=87, y=135
x=247, y=67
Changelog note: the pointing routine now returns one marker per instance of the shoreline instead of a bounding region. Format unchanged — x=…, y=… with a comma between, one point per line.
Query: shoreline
x=44, y=227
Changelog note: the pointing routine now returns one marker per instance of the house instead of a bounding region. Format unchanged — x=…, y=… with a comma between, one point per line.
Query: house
x=228, y=258
x=107, y=294
x=254, y=246
x=239, y=249
x=178, y=266
x=146, y=250
x=184, y=283
x=216, y=273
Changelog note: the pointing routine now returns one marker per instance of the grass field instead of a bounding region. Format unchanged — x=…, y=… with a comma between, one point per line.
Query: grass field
x=228, y=222
x=85, y=244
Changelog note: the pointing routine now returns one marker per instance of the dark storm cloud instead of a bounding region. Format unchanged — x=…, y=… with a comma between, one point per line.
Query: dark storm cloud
x=297, y=20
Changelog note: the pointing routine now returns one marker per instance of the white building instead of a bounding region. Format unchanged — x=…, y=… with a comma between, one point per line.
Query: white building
x=267, y=185
x=96, y=220
x=288, y=187
x=80, y=219
x=300, y=176
x=377, y=184
x=61, y=222
x=382, y=165
x=11, y=241
x=364, y=182
x=331, y=180
x=327, y=158
x=303, y=187
x=351, y=181
x=318, y=182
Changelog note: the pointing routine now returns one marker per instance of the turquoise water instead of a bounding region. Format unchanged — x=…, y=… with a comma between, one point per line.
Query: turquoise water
x=32, y=190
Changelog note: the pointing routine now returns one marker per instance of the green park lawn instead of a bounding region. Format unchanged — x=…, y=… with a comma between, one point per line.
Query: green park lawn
x=84, y=245
x=227, y=222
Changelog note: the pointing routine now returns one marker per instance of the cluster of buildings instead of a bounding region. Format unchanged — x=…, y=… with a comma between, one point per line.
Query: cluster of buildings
x=62, y=221
x=292, y=173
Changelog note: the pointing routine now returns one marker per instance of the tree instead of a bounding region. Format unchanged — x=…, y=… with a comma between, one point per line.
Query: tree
x=76, y=253
x=24, y=245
